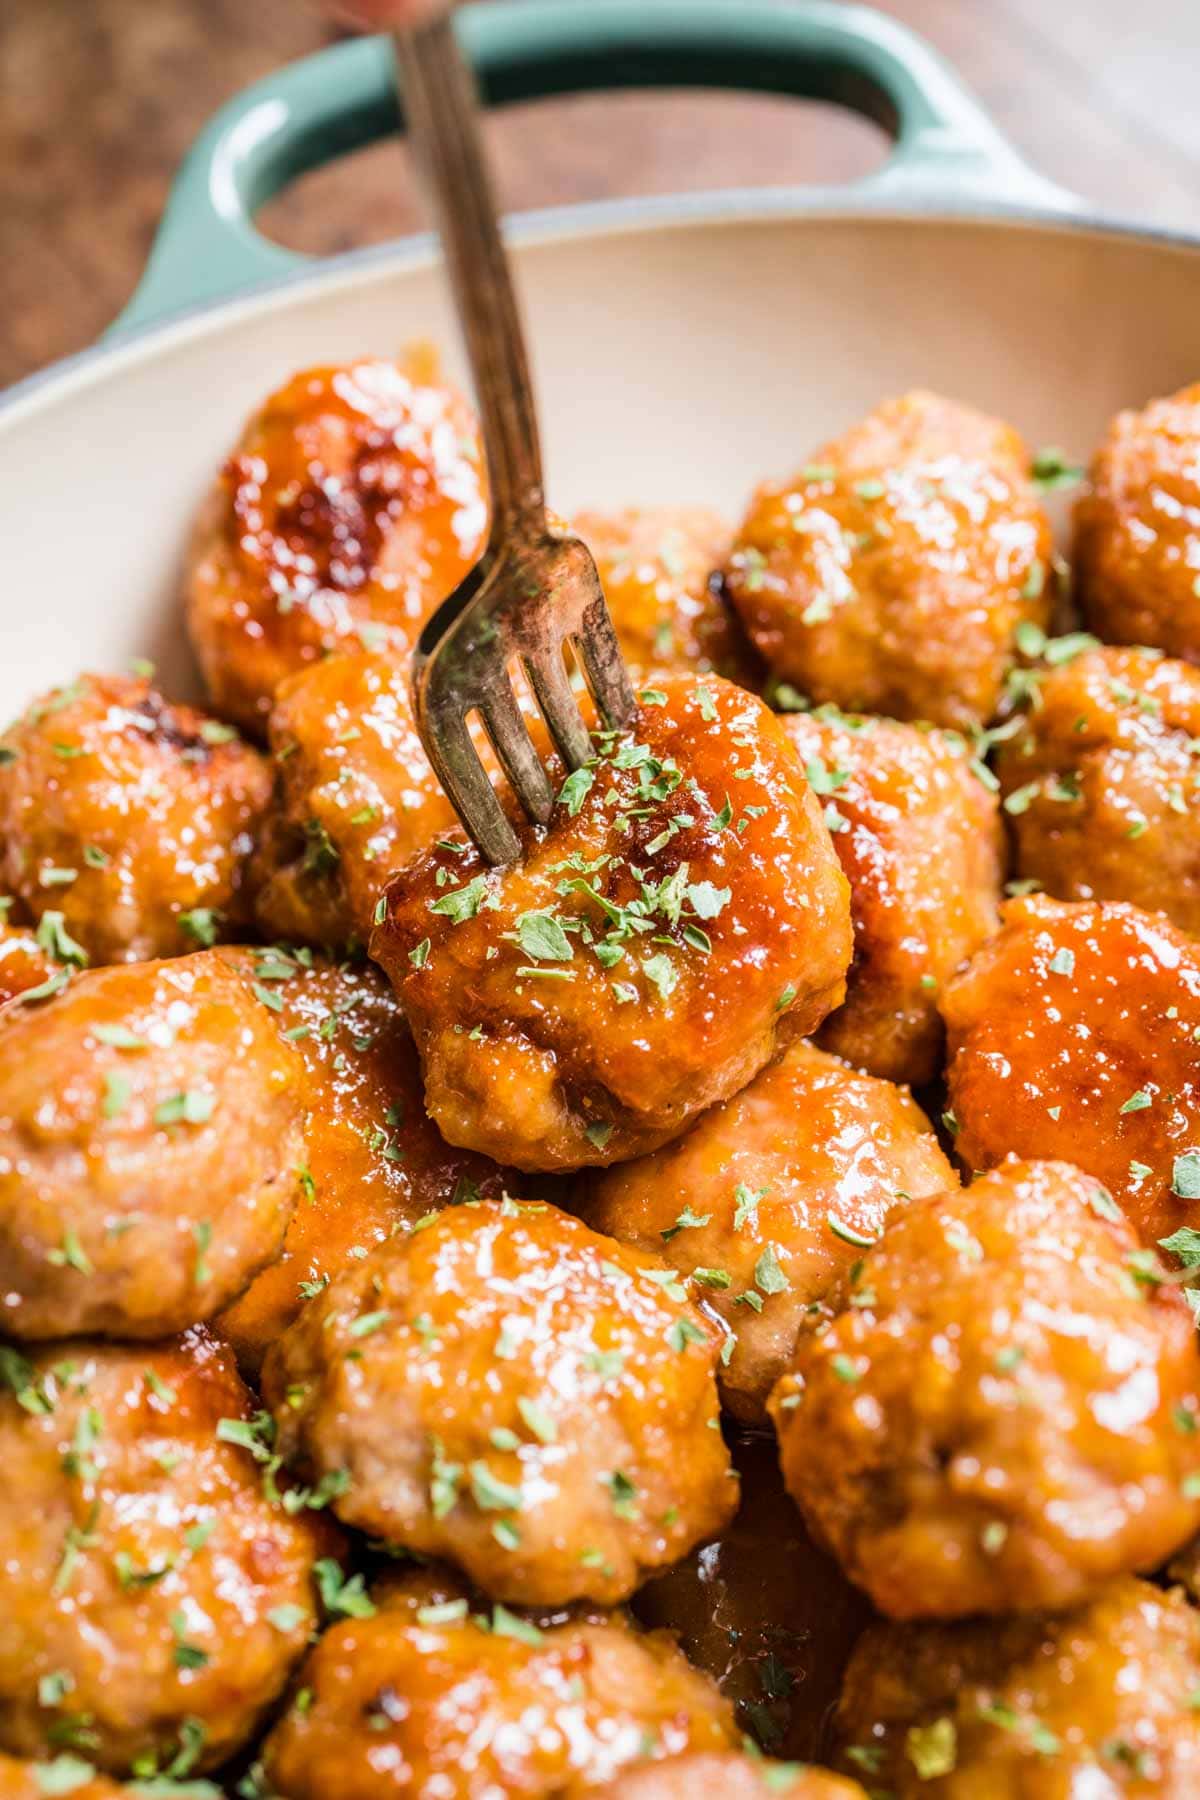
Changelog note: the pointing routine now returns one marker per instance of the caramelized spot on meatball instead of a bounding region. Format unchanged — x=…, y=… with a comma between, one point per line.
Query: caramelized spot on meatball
x=353, y=504
x=373, y=1161
x=681, y=916
x=511, y=1391
x=732, y=1776
x=659, y=567
x=1102, y=782
x=25, y=961
x=891, y=573
x=920, y=840
x=153, y=1598
x=149, y=1148
x=770, y=1197
x=356, y=797
x=1137, y=529
x=430, y=1697
x=763, y=1611
x=1099, y=1701
x=1005, y=1414
x=129, y=819
x=1074, y=1033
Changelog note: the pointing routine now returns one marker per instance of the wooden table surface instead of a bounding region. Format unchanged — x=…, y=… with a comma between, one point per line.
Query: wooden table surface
x=102, y=98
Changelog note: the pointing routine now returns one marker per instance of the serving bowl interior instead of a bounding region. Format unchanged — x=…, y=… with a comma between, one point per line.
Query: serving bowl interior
x=676, y=361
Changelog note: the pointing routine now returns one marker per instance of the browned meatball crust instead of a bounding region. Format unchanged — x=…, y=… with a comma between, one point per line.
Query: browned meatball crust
x=769, y=1198
x=681, y=916
x=1005, y=1414
x=764, y=1612
x=373, y=1161
x=428, y=1698
x=733, y=1777
x=507, y=1389
x=150, y=1149
x=1090, y=1705
x=658, y=567
x=153, y=1598
x=920, y=840
x=1136, y=556
x=1073, y=1034
x=1102, y=783
x=352, y=505
x=890, y=574
x=129, y=818
x=356, y=796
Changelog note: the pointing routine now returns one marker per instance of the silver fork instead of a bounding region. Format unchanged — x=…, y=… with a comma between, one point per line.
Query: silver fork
x=532, y=593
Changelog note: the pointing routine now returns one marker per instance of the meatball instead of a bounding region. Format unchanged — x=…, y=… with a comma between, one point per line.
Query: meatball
x=150, y=1142
x=1006, y=1413
x=356, y=797
x=374, y=1163
x=763, y=1611
x=1096, y=1703
x=890, y=574
x=65, y=1774
x=734, y=1777
x=429, y=1697
x=1102, y=783
x=770, y=1197
x=153, y=1597
x=1073, y=1033
x=657, y=567
x=681, y=917
x=1137, y=529
x=920, y=840
x=26, y=964
x=129, y=819
x=506, y=1389
x=353, y=504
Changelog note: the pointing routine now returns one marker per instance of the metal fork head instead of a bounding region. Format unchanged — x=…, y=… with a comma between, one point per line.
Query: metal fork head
x=531, y=597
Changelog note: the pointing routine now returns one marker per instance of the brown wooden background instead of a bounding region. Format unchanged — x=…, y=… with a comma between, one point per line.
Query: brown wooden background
x=100, y=98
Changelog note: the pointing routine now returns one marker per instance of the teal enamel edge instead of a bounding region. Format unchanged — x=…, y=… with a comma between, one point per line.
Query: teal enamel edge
x=946, y=152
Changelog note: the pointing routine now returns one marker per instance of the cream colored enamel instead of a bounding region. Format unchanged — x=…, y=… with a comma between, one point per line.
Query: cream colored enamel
x=675, y=364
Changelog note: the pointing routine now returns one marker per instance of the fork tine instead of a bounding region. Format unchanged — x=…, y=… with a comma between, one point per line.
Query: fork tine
x=514, y=746
x=457, y=766
x=604, y=666
x=548, y=673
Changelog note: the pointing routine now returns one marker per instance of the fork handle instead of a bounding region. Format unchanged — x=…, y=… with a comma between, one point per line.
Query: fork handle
x=442, y=113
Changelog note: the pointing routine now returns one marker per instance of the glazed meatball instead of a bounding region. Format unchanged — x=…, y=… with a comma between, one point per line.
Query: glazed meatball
x=1073, y=1033
x=373, y=1162
x=429, y=1697
x=764, y=1612
x=129, y=818
x=920, y=840
x=356, y=797
x=657, y=569
x=890, y=574
x=154, y=1597
x=770, y=1197
x=65, y=1774
x=1098, y=1702
x=1005, y=1414
x=1137, y=529
x=353, y=504
x=732, y=1776
x=26, y=965
x=150, y=1145
x=509, y=1390
x=681, y=917
x=1102, y=783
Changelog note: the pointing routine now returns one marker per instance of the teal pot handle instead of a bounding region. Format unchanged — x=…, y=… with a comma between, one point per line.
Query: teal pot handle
x=946, y=152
